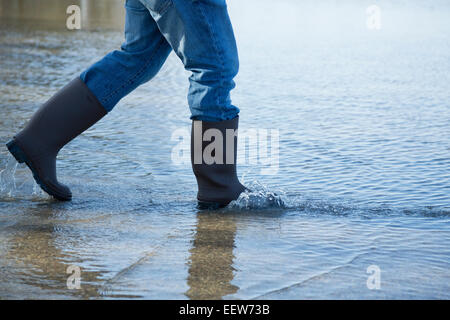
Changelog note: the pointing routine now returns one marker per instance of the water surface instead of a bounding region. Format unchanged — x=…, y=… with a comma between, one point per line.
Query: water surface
x=364, y=161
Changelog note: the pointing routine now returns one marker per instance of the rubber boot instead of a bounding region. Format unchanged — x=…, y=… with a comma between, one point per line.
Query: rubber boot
x=66, y=115
x=213, y=158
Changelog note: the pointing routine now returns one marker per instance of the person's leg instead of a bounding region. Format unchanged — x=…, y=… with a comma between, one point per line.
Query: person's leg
x=88, y=98
x=141, y=57
x=201, y=34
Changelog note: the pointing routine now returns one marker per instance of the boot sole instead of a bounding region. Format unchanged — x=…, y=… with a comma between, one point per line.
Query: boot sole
x=21, y=157
x=204, y=205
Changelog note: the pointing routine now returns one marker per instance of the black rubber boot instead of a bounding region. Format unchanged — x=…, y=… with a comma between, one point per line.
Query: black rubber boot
x=66, y=115
x=213, y=158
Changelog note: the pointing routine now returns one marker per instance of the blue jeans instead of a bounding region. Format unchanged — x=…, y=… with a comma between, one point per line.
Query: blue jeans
x=199, y=32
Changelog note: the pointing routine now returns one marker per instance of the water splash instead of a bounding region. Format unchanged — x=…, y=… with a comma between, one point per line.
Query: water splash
x=7, y=178
x=260, y=197
x=15, y=180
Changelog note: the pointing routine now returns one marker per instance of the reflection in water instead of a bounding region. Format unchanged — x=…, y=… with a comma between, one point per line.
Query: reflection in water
x=211, y=262
x=39, y=262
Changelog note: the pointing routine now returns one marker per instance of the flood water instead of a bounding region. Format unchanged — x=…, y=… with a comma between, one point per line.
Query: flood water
x=363, y=174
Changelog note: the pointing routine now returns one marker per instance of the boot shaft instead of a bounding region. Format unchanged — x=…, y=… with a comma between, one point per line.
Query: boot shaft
x=72, y=110
x=213, y=158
